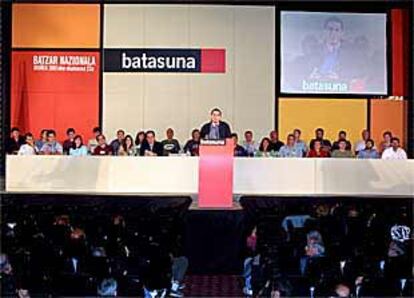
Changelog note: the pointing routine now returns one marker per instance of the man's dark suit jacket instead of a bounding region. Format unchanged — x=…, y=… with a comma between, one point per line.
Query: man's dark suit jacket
x=224, y=130
x=157, y=148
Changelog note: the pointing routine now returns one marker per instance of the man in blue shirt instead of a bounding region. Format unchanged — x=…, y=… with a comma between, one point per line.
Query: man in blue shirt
x=369, y=152
x=290, y=150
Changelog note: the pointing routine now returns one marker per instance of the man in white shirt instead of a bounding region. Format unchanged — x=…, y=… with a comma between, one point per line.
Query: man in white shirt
x=29, y=148
x=394, y=152
x=360, y=145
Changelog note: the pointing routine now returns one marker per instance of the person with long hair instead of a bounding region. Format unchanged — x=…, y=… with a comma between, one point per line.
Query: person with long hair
x=78, y=148
x=265, y=149
x=127, y=147
x=139, y=140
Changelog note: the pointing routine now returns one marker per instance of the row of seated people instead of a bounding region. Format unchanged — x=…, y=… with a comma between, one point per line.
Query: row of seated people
x=339, y=249
x=46, y=253
x=145, y=144
x=336, y=250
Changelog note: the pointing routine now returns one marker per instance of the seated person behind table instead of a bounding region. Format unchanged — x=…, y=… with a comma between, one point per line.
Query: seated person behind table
x=51, y=147
x=249, y=144
x=127, y=147
x=290, y=150
x=317, y=150
x=238, y=150
x=299, y=144
x=29, y=148
x=342, y=152
x=92, y=143
x=341, y=137
x=192, y=146
x=139, y=140
x=215, y=129
x=325, y=144
x=68, y=143
x=43, y=139
x=369, y=152
x=361, y=144
x=14, y=142
x=395, y=151
x=275, y=143
x=78, y=148
x=115, y=144
x=386, y=142
x=265, y=149
x=151, y=147
x=170, y=145
x=103, y=148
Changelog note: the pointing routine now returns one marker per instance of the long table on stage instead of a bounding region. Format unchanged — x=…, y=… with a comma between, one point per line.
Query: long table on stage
x=178, y=175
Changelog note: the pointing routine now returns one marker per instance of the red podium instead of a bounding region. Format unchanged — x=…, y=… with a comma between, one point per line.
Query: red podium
x=215, y=187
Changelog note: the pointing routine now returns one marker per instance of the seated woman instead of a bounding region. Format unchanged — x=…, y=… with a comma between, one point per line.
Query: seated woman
x=265, y=150
x=78, y=148
x=127, y=147
x=139, y=140
x=317, y=150
x=342, y=151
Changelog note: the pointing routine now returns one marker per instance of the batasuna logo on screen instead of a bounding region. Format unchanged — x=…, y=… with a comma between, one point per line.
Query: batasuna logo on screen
x=165, y=60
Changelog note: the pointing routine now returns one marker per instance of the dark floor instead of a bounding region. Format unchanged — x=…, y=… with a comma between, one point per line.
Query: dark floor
x=214, y=286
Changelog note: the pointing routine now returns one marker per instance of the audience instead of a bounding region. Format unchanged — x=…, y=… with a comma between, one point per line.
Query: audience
x=78, y=148
x=361, y=144
x=299, y=144
x=239, y=151
x=265, y=149
x=170, y=145
x=43, y=139
x=51, y=147
x=317, y=150
x=369, y=151
x=342, y=151
x=395, y=151
x=14, y=142
x=215, y=129
x=93, y=143
x=290, y=150
x=68, y=143
x=275, y=144
x=29, y=148
x=192, y=145
x=325, y=144
x=103, y=148
x=151, y=147
x=386, y=141
x=115, y=144
x=127, y=147
x=341, y=137
x=249, y=144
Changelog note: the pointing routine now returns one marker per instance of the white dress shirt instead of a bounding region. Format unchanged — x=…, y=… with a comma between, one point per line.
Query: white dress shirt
x=390, y=153
x=26, y=149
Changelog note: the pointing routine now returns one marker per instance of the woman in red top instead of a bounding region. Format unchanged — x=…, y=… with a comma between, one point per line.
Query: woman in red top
x=317, y=150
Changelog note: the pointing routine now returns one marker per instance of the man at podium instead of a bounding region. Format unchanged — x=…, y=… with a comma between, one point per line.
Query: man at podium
x=215, y=129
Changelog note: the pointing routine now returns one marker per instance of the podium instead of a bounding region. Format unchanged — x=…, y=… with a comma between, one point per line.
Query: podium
x=215, y=187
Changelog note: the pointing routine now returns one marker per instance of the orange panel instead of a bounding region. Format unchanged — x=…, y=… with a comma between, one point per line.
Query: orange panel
x=43, y=96
x=56, y=25
x=388, y=115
